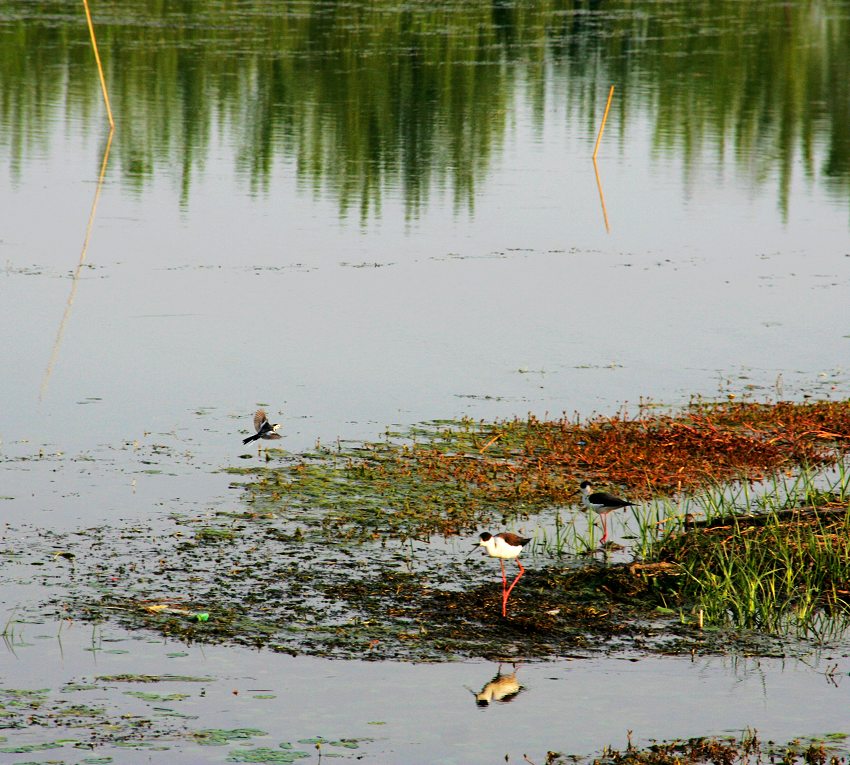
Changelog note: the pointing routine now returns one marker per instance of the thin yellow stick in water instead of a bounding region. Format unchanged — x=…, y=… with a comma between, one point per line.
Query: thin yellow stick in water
x=601, y=196
x=99, y=66
x=491, y=441
x=604, y=118
x=76, y=275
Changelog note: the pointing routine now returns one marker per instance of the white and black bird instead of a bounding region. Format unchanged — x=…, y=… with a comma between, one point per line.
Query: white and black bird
x=505, y=546
x=264, y=428
x=603, y=503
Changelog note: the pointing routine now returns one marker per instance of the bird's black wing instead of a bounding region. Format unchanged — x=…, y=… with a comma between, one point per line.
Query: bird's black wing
x=607, y=500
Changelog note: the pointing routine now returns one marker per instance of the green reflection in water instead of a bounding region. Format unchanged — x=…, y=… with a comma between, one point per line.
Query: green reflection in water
x=365, y=99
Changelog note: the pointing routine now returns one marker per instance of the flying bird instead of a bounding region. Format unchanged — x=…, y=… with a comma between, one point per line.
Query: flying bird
x=603, y=503
x=263, y=427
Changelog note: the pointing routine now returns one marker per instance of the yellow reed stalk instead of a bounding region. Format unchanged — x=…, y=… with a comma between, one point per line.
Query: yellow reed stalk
x=604, y=118
x=601, y=196
x=76, y=275
x=491, y=441
x=99, y=66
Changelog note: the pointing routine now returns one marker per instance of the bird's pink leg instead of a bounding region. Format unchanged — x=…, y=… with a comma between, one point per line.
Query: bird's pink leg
x=604, y=528
x=513, y=584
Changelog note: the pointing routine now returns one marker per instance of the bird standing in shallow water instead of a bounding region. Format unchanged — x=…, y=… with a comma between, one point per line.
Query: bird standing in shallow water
x=263, y=427
x=603, y=503
x=504, y=546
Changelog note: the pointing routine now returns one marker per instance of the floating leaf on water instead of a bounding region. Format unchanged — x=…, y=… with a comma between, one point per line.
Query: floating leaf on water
x=166, y=712
x=220, y=736
x=157, y=696
x=25, y=748
x=130, y=678
x=345, y=743
x=22, y=693
x=266, y=755
x=80, y=710
x=133, y=744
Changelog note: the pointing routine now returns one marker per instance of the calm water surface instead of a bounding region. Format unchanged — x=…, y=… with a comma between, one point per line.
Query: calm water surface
x=370, y=214
x=423, y=713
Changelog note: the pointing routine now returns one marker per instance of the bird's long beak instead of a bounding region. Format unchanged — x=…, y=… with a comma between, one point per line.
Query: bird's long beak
x=474, y=547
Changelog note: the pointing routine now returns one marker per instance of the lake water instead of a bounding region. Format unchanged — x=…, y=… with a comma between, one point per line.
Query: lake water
x=370, y=214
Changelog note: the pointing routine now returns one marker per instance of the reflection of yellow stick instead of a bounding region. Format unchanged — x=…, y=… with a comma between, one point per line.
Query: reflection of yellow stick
x=601, y=196
x=604, y=117
x=76, y=276
x=99, y=67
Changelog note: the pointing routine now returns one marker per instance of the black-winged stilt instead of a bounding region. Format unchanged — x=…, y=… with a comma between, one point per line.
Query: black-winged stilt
x=603, y=503
x=263, y=427
x=504, y=546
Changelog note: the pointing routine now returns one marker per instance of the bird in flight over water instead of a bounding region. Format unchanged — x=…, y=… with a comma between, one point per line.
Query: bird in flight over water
x=263, y=427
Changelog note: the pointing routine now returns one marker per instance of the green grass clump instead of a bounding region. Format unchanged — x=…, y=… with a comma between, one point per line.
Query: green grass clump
x=783, y=567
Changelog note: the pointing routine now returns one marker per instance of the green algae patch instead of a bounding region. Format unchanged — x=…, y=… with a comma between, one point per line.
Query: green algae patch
x=42, y=712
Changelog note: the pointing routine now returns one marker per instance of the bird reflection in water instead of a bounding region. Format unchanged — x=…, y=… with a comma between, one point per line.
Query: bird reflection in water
x=502, y=688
